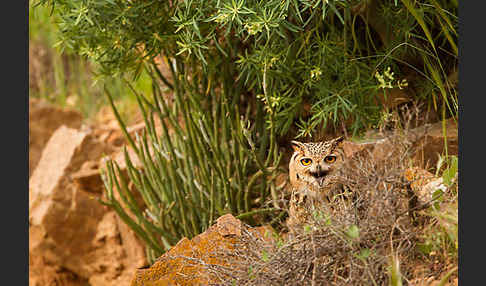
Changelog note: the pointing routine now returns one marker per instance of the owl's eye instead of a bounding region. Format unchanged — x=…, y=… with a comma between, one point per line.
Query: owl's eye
x=306, y=161
x=330, y=159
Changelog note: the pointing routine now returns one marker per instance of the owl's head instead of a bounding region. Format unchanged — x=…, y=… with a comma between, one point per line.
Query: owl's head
x=312, y=162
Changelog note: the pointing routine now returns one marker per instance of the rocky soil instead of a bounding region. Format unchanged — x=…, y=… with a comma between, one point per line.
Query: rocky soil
x=75, y=240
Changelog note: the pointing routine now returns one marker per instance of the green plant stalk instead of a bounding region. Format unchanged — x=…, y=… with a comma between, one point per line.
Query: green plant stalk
x=205, y=163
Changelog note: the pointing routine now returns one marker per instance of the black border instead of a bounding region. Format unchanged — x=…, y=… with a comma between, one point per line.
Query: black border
x=15, y=160
x=471, y=122
x=15, y=151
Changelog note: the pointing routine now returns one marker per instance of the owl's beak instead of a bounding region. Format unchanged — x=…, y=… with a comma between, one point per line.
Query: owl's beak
x=320, y=180
x=320, y=174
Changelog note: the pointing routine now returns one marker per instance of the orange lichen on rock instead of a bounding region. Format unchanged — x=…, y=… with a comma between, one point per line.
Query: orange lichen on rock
x=188, y=262
x=423, y=184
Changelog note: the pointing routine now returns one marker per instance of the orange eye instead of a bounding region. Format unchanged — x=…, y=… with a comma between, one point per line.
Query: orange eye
x=330, y=159
x=306, y=161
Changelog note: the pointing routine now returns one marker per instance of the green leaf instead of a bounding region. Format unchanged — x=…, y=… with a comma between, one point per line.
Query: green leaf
x=450, y=173
x=364, y=254
x=265, y=256
x=420, y=19
x=353, y=232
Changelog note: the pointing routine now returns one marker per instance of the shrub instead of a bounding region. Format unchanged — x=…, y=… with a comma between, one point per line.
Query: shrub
x=320, y=57
x=203, y=163
x=242, y=74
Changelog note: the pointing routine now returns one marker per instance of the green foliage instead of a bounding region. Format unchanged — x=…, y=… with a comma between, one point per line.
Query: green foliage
x=363, y=254
x=265, y=256
x=449, y=175
x=59, y=75
x=322, y=54
x=201, y=164
x=440, y=237
x=394, y=273
x=239, y=76
x=353, y=232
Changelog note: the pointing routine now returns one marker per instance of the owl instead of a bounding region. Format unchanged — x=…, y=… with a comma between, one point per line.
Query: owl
x=313, y=175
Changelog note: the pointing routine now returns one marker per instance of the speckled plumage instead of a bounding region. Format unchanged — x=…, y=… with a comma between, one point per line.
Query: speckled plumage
x=313, y=182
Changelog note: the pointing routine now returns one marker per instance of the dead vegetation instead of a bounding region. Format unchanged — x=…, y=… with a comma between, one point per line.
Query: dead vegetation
x=372, y=233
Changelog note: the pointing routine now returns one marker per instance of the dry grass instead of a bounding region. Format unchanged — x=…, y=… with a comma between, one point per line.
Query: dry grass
x=367, y=235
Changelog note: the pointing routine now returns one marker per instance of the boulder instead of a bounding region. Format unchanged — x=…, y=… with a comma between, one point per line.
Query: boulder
x=427, y=143
x=110, y=131
x=351, y=148
x=88, y=178
x=44, y=119
x=391, y=98
x=69, y=229
x=115, y=253
x=437, y=137
x=42, y=273
x=189, y=261
x=423, y=184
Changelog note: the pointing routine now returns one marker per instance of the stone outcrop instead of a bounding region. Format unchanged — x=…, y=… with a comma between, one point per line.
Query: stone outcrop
x=71, y=233
x=44, y=119
x=188, y=262
x=393, y=97
x=423, y=184
x=437, y=136
x=428, y=142
x=75, y=240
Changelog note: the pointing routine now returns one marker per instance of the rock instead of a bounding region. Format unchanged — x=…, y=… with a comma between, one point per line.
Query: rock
x=115, y=254
x=393, y=97
x=376, y=149
x=44, y=119
x=427, y=142
x=352, y=148
x=117, y=136
x=43, y=273
x=188, y=262
x=111, y=131
x=423, y=184
x=385, y=149
x=228, y=225
x=56, y=209
x=106, y=118
x=88, y=178
x=112, y=136
x=428, y=147
x=68, y=228
x=119, y=158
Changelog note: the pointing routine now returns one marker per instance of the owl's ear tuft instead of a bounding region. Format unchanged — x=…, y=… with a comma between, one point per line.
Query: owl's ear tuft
x=336, y=142
x=297, y=146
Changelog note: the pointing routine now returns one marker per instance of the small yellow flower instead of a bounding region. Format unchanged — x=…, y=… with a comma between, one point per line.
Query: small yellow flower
x=272, y=61
x=253, y=28
x=403, y=83
x=389, y=74
x=221, y=18
x=316, y=72
x=386, y=80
